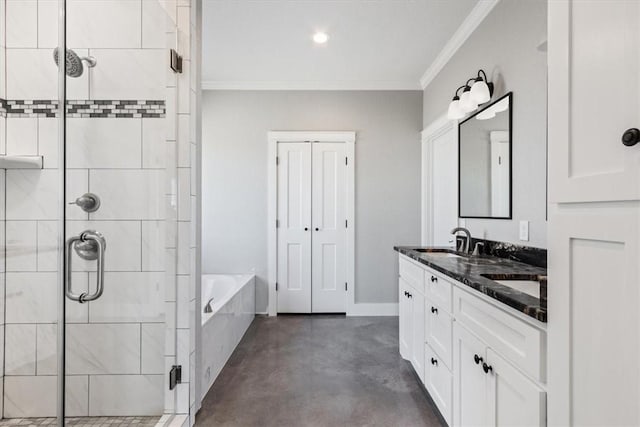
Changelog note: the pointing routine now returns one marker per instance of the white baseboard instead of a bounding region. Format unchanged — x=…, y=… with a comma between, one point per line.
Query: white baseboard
x=373, y=309
x=367, y=309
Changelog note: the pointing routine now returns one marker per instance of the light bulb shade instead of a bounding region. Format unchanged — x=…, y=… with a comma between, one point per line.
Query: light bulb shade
x=454, y=112
x=480, y=92
x=501, y=106
x=467, y=104
x=487, y=114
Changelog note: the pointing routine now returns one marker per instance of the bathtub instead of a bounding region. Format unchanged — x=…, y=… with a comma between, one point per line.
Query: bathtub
x=232, y=311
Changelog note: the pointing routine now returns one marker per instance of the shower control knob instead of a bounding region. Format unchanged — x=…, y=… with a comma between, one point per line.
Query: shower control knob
x=631, y=137
x=88, y=202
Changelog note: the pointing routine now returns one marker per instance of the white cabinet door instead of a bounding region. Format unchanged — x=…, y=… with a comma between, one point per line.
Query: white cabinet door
x=329, y=213
x=594, y=333
x=438, y=382
x=471, y=387
x=294, y=228
x=515, y=400
x=594, y=83
x=417, y=341
x=405, y=319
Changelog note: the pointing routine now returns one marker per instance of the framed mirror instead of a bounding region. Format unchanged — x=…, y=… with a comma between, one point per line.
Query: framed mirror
x=484, y=162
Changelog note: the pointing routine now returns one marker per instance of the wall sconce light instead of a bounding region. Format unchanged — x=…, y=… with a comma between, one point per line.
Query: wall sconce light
x=476, y=91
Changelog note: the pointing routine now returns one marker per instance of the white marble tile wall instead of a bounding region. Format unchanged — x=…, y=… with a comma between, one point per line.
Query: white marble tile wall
x=116, y=345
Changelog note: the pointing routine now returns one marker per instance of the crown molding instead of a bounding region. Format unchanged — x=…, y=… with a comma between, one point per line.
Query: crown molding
x=309, y=85
x=468, y=26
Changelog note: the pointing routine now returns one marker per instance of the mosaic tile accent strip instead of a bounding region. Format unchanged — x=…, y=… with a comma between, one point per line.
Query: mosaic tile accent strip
x=145, y=109
x=84, y=422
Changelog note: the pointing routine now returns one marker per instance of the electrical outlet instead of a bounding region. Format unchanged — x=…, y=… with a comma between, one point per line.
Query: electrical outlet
x=524, y=230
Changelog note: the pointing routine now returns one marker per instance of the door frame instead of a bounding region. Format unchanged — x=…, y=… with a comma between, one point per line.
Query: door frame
x=432, y=132
x=346, y=137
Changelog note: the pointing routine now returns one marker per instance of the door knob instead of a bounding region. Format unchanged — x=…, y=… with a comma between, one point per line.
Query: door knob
x=434, y=362
x=306, y=229
x=477, y=359
x=486, y=368
x=434, y=310
x=317, y=229
x=631, y=137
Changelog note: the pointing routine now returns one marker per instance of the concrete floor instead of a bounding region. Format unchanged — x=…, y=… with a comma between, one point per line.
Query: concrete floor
x=318, y=371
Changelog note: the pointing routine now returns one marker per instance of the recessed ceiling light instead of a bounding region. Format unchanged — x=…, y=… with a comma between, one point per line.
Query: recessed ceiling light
x=320, y=37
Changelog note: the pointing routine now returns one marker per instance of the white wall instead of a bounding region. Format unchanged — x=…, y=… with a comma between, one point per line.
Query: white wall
x=505, y=46
x=234, y=164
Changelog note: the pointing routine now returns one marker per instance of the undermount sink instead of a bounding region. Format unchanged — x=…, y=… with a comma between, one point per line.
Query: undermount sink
x=443, y=253
x=526, y=283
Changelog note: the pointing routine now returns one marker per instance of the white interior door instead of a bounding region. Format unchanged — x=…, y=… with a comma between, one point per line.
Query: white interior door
x=329, y=214
x=440, y=183
x=294, y=227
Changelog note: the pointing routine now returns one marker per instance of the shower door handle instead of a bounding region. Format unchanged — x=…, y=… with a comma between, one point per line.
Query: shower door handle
x=89, y=245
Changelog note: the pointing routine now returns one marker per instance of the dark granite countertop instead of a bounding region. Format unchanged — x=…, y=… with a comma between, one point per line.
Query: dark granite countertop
x=470, y=270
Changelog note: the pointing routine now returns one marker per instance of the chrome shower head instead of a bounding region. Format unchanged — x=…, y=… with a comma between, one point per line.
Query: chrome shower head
x=74, y=66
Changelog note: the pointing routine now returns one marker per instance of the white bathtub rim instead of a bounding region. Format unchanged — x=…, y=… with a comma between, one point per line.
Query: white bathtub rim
x=241, y=281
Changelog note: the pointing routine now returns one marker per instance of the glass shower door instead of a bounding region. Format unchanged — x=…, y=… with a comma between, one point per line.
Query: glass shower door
x=115, y=213
x=87, y=289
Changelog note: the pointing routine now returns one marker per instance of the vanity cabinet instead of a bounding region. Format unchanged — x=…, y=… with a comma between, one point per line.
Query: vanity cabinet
x=482, y=363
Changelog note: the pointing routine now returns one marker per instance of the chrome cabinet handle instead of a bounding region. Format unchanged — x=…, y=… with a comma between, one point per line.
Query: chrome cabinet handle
x=88, y=238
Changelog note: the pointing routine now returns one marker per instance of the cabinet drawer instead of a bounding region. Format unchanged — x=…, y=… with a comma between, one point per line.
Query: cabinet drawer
x=439, y=290
x=412, y=273
x=439, y=331
x=514, y=339
x=438, y=382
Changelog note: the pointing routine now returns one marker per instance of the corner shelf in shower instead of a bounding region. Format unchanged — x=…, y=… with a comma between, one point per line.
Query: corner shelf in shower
x=20, y=162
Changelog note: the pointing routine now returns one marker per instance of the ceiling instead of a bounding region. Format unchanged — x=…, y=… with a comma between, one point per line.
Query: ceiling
x=373, y=44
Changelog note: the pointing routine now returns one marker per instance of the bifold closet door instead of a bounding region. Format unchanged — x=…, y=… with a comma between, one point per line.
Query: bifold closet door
x=328, y=242
x=294, y=228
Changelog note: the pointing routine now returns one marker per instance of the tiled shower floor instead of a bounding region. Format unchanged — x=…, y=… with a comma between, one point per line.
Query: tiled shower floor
x=84, y=422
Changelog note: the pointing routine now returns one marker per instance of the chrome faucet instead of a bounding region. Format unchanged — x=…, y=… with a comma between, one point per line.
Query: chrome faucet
x=467, y=241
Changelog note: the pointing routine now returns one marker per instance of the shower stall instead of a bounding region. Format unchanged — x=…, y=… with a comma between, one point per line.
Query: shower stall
x=98, y=165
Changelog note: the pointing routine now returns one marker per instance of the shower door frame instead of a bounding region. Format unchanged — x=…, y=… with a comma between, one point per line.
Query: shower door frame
x=62, y=169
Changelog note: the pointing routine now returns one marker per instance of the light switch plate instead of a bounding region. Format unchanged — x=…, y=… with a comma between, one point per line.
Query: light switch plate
x=524, y=230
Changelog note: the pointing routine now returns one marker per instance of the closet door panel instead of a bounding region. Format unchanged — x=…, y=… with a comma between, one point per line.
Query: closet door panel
x=594, y=83
x=594, y=335
x=329, y=228
x=294, y=228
